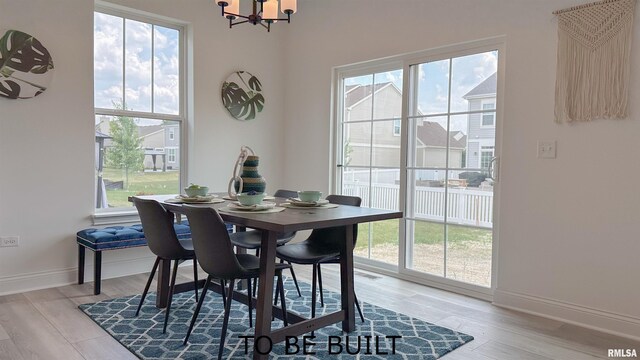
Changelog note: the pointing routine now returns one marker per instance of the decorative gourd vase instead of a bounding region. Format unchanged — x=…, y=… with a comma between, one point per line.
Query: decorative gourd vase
x=251, y=179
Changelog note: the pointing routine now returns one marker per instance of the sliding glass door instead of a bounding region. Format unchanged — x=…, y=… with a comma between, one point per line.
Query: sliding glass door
x=419, y=134
x=451, y=150
x=369, y=165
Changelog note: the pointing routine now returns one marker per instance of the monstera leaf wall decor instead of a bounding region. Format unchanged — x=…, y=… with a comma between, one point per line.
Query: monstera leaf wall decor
x=242, y=95
x=25, y=66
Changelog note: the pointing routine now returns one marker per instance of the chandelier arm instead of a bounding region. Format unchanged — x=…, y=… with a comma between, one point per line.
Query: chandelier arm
x=236, y=15
x=231, y=24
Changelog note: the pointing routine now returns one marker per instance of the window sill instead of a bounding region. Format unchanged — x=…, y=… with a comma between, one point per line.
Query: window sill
x=115, y=217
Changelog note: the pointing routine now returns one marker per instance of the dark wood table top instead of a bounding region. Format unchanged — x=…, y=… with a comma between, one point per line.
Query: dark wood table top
x=291, y=219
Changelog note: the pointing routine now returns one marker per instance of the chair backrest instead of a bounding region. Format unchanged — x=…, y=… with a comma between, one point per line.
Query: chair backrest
x=157, y=224
x=212, y=244
x=282, y=193
x=332, y=238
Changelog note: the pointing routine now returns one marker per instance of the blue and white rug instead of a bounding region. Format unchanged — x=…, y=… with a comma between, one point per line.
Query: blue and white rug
x=384, y=334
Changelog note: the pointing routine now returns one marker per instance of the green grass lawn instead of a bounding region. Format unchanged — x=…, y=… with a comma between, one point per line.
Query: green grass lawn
x=141, y=183
x=386, y=232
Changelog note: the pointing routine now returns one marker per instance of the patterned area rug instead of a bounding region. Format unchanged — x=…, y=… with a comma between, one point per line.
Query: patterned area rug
x=142, y=335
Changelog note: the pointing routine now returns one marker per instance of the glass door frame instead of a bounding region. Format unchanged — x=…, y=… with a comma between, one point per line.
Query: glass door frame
x=405, y=62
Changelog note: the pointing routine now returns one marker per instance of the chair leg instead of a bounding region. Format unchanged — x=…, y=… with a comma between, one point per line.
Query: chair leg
x=80, y=264
x=282, y=299
x=358, y=306
x=225, y=322
x=195, y=313
x=171, y=289
x=250, y=303
x=223, y=284
x=314, y=275
x=146, y=287
x=97, y=272
x=195, y=276
x=320, y=285
x=255, y=283
x=275, y=298
x=295, y=280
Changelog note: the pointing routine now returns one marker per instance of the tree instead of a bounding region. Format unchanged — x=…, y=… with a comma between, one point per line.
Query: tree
x=125, y=151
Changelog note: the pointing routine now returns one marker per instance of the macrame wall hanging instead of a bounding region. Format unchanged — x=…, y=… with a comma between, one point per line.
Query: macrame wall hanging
x=594, y=49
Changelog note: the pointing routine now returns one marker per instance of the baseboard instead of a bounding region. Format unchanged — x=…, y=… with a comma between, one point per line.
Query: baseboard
x=605, y=321
x=54, y=278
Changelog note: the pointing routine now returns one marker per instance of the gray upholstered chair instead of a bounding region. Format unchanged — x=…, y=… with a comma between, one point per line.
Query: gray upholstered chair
x=321, y=247
x=157, y=224
x=252, y=239
x=214, y=249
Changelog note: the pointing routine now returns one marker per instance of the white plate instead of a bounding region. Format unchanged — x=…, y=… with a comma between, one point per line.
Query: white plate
x=300, y=203
x=210, y=200
x=296, y=206
x=265, y=205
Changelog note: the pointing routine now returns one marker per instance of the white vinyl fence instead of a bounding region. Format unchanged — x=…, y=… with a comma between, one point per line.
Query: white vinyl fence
x=466, y=206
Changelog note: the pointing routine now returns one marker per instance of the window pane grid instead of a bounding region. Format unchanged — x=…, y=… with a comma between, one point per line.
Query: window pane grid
x=138, y=107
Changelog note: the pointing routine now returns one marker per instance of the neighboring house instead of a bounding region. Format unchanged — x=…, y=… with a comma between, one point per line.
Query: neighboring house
x=163, y=141
x=482, y=127
x=431, y=137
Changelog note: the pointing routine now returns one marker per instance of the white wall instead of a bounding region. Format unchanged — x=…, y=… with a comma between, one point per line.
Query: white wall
x=568, y=227
x=46, y=202
x=568, y=239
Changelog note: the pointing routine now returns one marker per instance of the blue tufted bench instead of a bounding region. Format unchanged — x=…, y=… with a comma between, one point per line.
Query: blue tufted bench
x=112, y=238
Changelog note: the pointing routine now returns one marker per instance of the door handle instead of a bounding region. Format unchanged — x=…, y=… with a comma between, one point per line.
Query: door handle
x=494, y=167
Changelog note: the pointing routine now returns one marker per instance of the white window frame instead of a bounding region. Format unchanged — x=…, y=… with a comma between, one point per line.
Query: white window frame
x=172, y=133
x=119, y=215
x=171, y=152
x=407, y=60
x=488, y=112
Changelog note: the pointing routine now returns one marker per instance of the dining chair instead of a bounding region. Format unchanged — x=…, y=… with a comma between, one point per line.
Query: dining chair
x=321, y=247
x=252, y=239
x=214, y=249
x=157, y=225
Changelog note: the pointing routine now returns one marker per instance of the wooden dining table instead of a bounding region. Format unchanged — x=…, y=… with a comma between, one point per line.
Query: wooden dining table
x=272, y=224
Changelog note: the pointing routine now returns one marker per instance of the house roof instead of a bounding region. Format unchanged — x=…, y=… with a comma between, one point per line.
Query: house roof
x=431, y=133
x=487, y=87
x=356, y=93
x=101, y=135
x=148, y=130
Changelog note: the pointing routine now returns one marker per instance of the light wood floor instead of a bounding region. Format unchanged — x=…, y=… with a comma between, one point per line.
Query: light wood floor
x=46, y=324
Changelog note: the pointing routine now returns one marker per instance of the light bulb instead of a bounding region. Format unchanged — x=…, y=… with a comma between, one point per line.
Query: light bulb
x=233, y=8
x=270, y=10
x=289, y=6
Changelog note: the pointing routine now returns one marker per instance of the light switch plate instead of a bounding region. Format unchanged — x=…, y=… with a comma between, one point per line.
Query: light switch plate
x=9, y=241
x=546, y=149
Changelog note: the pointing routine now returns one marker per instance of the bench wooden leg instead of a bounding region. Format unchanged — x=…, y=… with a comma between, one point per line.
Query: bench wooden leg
x=80, y=264
x=97, y=272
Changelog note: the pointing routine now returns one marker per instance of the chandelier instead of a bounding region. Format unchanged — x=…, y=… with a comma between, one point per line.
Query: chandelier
x=265, y=12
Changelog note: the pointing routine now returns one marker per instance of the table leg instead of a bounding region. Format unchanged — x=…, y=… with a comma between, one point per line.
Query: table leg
x=346, y=281
x=162, y=294
x=265, y=295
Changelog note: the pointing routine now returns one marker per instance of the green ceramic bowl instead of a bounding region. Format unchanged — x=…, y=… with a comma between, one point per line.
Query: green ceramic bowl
x=196, y=191
x=309, y=196
x=247, y=200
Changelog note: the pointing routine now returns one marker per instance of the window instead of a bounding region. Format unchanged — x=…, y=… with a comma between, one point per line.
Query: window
x=171, y=155
x=396, y=127
x=138, y=99
x=489, y=118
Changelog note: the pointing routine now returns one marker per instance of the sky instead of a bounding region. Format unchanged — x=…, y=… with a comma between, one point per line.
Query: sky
x=111, y=35
x=433, y=84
